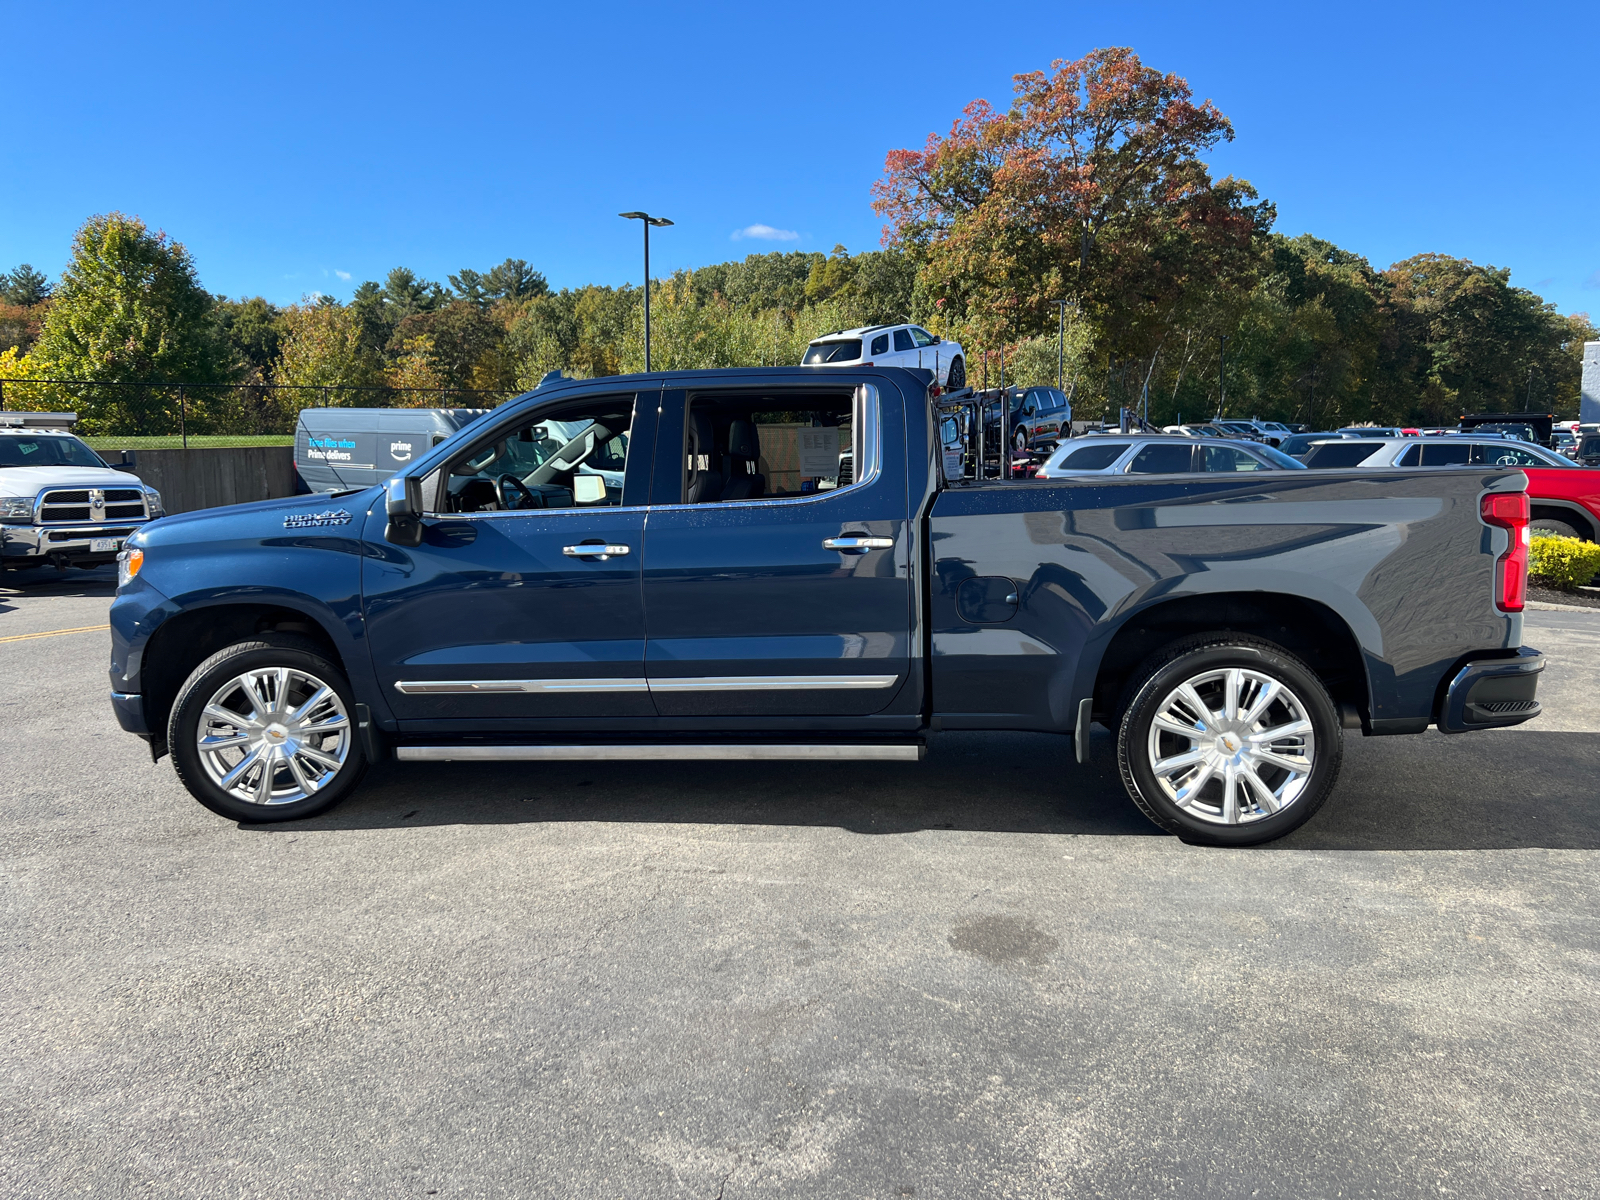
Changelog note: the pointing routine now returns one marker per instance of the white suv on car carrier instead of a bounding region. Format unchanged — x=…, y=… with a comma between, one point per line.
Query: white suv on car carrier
x=60, y=502
x=890, y=346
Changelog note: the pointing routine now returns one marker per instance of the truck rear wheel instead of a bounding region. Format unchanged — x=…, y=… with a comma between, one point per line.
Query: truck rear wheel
x=264, y=730
x=1228, y=740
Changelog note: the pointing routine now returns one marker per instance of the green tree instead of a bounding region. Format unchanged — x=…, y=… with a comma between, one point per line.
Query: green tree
x=1466, y=340
x=325, y=347
x=129, y=308
x=254, y=331
x=461, y=344
x=24, y=287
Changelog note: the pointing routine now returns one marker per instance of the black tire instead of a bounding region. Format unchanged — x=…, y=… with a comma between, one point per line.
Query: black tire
x=1020, y=440
x=266, y=650
x=956, y=377
x=1191, y=658
x=1558, y=528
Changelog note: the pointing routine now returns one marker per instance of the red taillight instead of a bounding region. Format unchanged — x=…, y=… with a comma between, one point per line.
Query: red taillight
x=1509, y=511
x=1039, y=474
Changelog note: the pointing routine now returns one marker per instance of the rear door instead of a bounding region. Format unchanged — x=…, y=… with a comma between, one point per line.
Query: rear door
x=783, y=594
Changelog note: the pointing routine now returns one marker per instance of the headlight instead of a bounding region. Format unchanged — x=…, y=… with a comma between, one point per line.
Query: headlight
x=129, y=561
x=16, y=508
x=152, y=500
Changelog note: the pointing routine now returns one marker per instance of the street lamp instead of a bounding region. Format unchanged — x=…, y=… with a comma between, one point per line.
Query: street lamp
x=648, y=221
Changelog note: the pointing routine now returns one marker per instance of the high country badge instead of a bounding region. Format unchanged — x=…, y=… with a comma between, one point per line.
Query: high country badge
x=314, y=520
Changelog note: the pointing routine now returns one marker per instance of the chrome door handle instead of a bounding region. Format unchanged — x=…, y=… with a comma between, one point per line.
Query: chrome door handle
x=855, y=542
x=594, y=550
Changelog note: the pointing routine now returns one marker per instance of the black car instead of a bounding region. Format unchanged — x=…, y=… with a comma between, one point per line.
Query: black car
x=1040, y=417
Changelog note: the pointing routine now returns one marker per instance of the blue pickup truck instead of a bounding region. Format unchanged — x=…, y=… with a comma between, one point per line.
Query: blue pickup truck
x=772, y=564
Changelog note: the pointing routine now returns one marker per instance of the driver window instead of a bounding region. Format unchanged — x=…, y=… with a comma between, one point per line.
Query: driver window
x=567, y=458
x=921, y=337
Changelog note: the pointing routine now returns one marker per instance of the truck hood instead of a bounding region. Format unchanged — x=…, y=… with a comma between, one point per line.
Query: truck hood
x=30, y=481
x=339, y=513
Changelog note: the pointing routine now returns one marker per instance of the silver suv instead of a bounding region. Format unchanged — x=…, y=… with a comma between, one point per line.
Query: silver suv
x=1111, y=454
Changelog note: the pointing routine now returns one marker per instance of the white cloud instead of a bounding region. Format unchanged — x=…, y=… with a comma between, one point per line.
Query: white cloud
x=344, y=275
x=766, y=233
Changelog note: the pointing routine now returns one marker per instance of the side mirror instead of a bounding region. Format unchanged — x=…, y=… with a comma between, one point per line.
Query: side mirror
x=402, y=500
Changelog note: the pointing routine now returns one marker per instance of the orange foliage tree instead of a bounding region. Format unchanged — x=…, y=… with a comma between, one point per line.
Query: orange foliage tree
x=1089, y=188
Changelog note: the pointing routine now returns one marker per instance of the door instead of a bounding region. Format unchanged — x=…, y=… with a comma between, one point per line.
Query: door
x=778, y=593
x=522, y=603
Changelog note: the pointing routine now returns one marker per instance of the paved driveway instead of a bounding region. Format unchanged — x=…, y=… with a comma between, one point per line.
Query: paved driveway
x=984, y=975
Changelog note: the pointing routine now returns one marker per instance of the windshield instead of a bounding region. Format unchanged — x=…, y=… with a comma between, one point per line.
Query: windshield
x=832, y=352
x=47, y=450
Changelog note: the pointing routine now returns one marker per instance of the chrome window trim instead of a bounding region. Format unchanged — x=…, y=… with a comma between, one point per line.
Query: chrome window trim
x=535, y=512
x=699, y=683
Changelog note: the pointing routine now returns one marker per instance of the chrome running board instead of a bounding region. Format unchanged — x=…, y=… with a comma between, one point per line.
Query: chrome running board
x=729, y=752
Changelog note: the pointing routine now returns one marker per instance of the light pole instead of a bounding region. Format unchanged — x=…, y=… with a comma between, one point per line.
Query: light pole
x=1061, y=347
x=648, y=221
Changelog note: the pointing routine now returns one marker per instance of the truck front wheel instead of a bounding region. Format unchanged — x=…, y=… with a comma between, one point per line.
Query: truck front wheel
x=264, y=730
x=1228, y=740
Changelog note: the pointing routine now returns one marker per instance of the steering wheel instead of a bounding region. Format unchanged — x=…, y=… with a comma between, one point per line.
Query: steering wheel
x=506, y=485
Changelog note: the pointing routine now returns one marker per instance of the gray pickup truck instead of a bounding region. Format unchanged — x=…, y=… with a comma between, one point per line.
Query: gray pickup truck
x=774, y=564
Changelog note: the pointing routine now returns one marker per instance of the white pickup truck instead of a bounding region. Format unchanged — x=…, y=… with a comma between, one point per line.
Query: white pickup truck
x=60, y=502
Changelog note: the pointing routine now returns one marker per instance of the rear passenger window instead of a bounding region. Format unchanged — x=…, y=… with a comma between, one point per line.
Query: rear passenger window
x=902, y=340
x=1446, y=454
x=1411, y=458
x=1325, y=455
x=742, y=446
x=1095, y=457
x=880, y=344
x=1226, y=458
x=1162, y=458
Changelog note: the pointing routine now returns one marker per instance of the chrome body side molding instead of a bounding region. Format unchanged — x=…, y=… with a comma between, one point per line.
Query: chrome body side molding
x=734, y=752
x=703, y=683
x=773, y=683
x=476, y=687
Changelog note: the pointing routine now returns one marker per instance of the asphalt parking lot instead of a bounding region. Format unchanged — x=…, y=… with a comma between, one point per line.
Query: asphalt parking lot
x=983, y=975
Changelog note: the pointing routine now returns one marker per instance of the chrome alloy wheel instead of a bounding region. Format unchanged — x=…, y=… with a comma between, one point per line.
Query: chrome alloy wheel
x=273, y=736
x=1232, y=746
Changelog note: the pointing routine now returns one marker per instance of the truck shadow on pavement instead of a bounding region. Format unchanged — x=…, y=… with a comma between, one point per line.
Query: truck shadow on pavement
x=46, y=581
x=1505, y=790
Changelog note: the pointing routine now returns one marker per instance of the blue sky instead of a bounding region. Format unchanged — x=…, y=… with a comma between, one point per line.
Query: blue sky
x=305, y=147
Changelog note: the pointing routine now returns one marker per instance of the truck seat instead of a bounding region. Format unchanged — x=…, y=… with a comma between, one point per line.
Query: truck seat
x=744, y=456
x=704, y=479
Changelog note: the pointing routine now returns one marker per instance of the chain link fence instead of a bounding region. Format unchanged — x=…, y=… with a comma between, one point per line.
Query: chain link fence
x=132, y=416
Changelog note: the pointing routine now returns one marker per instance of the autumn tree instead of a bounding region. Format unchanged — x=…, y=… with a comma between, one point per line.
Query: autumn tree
x=1088, y=188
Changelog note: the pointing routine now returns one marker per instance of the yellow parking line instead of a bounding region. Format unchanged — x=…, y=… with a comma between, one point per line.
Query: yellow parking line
x=22, y=637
